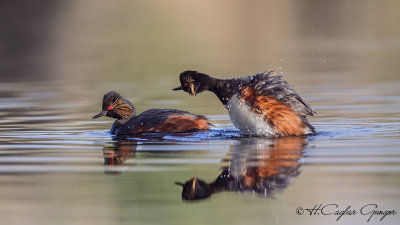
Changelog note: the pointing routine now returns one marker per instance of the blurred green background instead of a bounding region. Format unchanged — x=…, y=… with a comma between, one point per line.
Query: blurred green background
x=139, y=47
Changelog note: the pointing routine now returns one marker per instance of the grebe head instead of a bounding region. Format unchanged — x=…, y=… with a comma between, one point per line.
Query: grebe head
x=193, y=82
x=116, y=106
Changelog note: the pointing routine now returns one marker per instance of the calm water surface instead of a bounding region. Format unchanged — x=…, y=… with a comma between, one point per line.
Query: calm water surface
x=58, y=166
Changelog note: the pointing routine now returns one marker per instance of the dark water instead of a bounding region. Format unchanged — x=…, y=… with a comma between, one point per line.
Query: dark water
x=57, y=166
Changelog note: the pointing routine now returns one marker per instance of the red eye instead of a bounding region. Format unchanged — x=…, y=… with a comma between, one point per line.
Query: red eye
x=185, y=84
x=110, y=107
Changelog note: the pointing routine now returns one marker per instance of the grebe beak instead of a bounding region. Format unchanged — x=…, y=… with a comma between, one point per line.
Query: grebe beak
x=179, y=183
x=102, y=113
x=178, y=88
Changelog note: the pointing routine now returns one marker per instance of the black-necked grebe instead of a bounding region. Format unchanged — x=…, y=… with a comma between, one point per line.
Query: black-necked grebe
x=259, y=105
x=150, y=121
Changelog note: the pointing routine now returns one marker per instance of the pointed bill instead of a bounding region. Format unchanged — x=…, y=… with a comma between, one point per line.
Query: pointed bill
x=179, y=183
x=178, y=88
x=102, y=113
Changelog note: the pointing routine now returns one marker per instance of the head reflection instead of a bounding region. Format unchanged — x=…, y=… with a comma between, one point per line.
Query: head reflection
x=254, y=165
x=120, y=150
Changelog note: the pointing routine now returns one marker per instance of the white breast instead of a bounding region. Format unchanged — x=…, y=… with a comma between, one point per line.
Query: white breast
x=246, y=120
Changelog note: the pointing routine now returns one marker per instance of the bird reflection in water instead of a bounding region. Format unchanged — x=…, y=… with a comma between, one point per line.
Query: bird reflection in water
x=252, y=165
x=118, y=152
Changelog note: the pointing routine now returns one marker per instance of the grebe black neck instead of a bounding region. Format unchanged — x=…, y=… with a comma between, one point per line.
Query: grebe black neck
x=194, y=82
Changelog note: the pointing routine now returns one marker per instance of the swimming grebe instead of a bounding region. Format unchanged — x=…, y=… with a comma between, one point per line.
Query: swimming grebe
x=150, y=121
x=259, y=105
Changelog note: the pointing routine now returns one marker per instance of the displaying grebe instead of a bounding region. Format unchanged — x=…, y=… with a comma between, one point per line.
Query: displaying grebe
x=259, y=105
